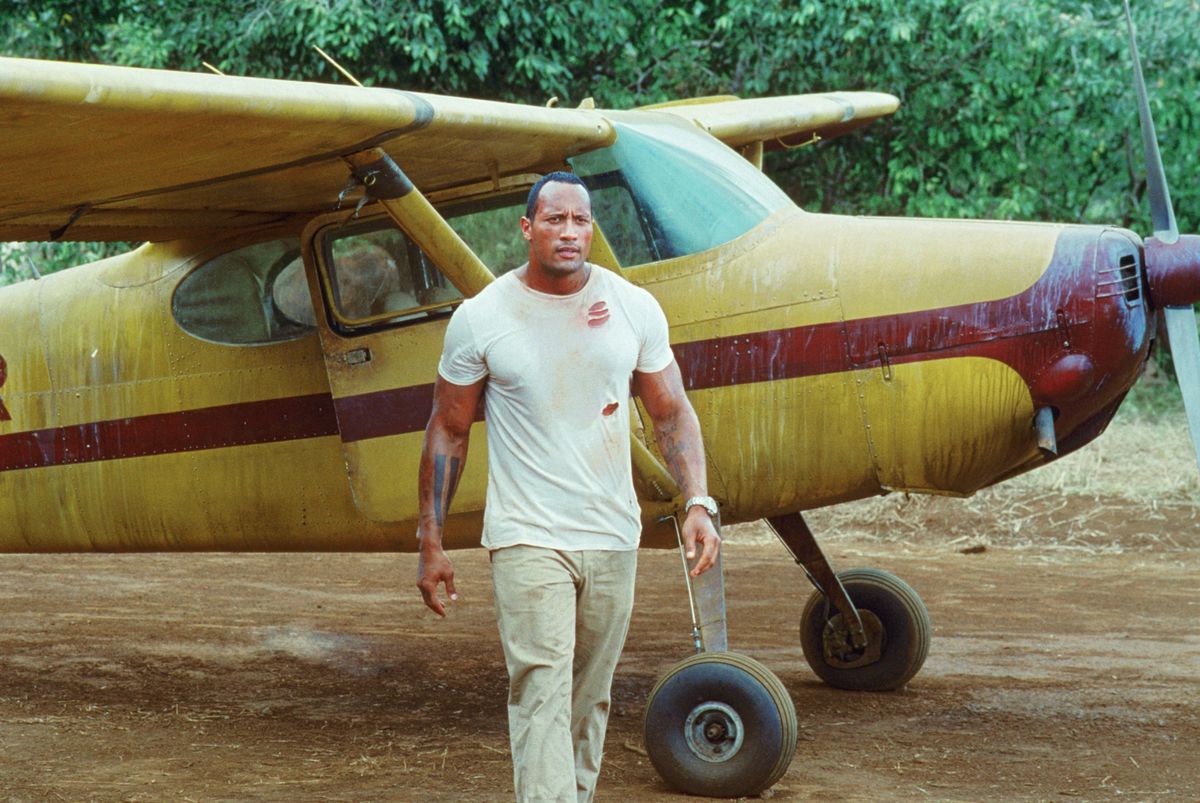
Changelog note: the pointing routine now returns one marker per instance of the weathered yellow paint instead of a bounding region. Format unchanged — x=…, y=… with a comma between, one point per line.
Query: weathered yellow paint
x=602, y=253
x=889, y=266
x=938, y=426
x=264, y=152
x=414, y=214
x=809, y=451
x=100, y=342
x=853, y=433
x=80, y=350
x=748, y=285
x=947, y=426
x=400, y=358
x=383, y=475
x=753, y=153
x=24, y=351
x=700, y=101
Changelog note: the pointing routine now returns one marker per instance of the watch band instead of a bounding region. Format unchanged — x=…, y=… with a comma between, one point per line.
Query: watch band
x=707, y=502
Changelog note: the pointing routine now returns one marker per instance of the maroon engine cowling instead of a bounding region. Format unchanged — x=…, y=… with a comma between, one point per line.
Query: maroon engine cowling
x=1173, y=271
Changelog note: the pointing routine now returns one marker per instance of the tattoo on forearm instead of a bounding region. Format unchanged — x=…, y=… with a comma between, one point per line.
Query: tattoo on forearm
x=678, y=451
x=444, y=484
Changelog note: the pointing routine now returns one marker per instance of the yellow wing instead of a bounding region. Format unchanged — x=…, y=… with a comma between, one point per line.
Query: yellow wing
x=129, y=154
x=785, y=121
x=117, y=153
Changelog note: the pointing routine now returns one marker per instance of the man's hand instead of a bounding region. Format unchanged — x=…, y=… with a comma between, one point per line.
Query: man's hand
x=434, y=567
x=699, y=531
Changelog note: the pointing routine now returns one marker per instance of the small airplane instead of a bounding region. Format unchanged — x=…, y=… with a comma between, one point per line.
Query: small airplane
x=258, y=374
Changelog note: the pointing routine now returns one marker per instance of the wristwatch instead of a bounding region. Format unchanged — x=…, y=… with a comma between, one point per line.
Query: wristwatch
x=707, y=502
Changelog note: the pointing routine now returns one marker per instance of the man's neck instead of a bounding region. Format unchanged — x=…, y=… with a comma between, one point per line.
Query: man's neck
x=537, y=279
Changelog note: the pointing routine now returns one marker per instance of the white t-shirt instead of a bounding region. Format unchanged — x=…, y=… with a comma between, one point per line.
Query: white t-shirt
x=557, y=405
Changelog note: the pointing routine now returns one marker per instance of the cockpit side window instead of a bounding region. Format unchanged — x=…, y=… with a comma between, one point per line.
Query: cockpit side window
x=250, y=296
x=666, y=189
x=378, y=277
x=374, y=270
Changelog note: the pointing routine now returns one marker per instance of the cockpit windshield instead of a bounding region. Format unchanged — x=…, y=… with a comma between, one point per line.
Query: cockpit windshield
x=665, y=189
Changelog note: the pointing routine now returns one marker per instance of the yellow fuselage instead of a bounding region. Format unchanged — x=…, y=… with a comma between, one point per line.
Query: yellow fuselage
x=829, y=358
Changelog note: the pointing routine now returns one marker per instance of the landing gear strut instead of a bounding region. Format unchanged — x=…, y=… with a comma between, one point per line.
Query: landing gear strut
x=718, y=723
x=863, y=629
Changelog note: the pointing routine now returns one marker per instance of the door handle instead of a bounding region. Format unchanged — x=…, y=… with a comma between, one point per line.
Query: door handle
x=357, y=356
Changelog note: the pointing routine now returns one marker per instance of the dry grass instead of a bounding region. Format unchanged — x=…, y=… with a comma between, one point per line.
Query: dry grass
x=1139, y=458
x=1135, y=488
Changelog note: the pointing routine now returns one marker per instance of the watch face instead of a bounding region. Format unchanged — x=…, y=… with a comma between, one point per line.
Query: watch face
x=707, y=502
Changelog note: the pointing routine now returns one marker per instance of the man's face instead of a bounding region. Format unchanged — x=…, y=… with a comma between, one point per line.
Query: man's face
x=560, y=234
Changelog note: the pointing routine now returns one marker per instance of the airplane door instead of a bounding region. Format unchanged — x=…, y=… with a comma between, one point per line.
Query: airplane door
x=382, y=305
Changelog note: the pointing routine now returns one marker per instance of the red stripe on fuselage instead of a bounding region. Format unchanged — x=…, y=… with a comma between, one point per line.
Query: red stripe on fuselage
x=385, y=412
x=267, y=421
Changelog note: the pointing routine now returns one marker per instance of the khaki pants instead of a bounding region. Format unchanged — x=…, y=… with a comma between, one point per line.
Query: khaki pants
x=563, y=617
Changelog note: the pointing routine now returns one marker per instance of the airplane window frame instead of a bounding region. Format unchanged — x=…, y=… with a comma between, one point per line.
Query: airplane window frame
x=341, y=317
x=205, y=309
x=512, y=196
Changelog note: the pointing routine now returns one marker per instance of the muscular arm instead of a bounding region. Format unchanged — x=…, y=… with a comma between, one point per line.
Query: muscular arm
x=677, y=431
x=442, y=462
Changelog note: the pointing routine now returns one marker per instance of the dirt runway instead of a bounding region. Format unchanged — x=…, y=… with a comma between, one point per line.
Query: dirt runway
x=1055, y=674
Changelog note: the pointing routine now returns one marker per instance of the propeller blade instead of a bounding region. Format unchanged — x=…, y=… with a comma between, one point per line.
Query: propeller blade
x=1161, y=212
x=1185, y=353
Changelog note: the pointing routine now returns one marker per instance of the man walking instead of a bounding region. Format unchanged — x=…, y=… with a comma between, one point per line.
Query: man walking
x=556, y=344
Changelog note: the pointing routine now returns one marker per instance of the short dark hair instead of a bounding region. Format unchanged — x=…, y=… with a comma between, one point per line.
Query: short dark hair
x=560, y=176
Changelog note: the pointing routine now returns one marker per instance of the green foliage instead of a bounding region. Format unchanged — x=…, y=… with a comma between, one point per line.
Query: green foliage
x=21, y=261
x=1010, y=110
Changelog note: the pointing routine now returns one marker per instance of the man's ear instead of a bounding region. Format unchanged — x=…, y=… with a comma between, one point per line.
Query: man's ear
x=526, y=228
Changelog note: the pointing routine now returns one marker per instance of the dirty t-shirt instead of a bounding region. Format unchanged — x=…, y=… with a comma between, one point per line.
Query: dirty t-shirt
x=557, y=406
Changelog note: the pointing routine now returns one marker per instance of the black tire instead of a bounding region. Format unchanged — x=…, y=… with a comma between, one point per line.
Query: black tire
x=905, y=636
x=720, y=724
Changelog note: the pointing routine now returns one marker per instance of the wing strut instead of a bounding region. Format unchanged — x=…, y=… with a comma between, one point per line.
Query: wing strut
x=385, y=182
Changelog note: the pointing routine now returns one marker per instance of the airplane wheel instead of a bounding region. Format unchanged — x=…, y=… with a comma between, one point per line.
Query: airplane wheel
x=891, y=612
x=720, y=724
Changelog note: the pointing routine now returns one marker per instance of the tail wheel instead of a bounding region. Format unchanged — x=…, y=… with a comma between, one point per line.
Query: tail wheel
x=721, y=725
x=893, y=615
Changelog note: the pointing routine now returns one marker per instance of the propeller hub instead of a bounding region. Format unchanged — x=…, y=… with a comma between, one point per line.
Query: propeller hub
x=1173, y=271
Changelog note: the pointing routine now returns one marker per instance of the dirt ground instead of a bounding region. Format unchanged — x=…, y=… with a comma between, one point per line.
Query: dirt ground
x=1057, y=672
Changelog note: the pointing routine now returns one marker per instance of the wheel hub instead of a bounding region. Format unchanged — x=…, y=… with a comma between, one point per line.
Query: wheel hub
x=713, y=732
x=838, y=649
